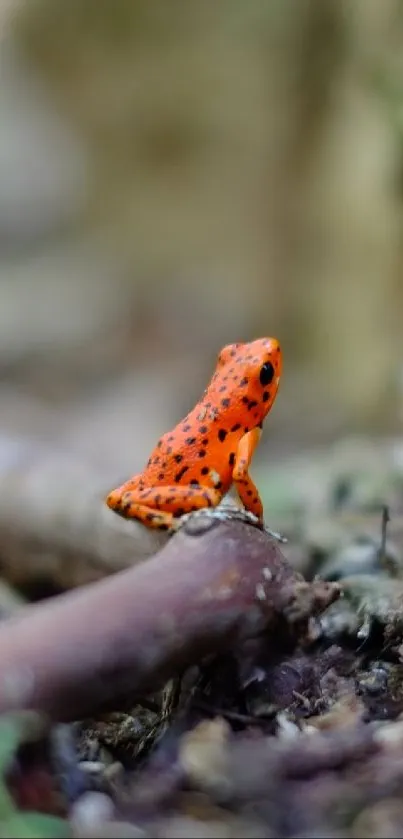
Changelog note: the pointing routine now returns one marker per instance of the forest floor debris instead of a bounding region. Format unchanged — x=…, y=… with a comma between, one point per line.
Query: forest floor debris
x=213, y=689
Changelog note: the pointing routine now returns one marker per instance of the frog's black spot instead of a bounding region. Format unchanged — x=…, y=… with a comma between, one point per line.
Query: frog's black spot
x=266, y=395
x=222, y=389
x=222, y=434
x=245, y=400
x=150, y=517
x=244, y=381
x=190, y=441
x=246, y=429
x=252, y=404
x=226, y=402
x=159, y=444
x=149, y=461
x=194, y=482
x=218, y=485
x=249, y=492
x=171, y=438
x=233, y=353
x=204, y=441
x=156, y=460
x=178, y=458
x=186, y=427
x=231, y=459
x=162, y=527
x=205, y=470
x=161, y=476
x=203, y=429
x=236, y=427
x=202, y=453
x=179, y=475
x=179, y=512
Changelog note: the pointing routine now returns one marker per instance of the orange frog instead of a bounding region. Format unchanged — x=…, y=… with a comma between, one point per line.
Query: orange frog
x=194, y=465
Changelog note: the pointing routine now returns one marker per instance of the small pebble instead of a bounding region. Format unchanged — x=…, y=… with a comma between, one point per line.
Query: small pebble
x=92, y=767
x=90, y=811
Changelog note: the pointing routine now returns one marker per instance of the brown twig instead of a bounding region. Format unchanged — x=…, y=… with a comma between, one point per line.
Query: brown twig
x=211, y=586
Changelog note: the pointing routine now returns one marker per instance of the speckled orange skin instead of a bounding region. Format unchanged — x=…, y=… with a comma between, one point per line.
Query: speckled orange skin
x=194, y=465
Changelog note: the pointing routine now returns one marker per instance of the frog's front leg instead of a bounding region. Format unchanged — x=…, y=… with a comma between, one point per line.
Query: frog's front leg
x=159, y=506
x=244, y=485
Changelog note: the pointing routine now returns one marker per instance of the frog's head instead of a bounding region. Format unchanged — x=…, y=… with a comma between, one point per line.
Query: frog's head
x=248, y=376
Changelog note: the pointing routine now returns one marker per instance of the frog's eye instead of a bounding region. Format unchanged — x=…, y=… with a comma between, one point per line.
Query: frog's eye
x=266, y=374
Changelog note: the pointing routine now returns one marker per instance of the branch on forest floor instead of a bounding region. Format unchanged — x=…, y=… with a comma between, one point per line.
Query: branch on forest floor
x=213, y=585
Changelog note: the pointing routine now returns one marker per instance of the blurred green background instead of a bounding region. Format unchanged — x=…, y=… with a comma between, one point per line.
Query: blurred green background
x=179, y=175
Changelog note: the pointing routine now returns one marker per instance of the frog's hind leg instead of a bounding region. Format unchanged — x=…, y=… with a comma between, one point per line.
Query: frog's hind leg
x=160, y=506
x=115, y=500
x=149, y=516
x=128, y=501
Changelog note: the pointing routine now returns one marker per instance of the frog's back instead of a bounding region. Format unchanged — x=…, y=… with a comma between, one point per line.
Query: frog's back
x=193, y=452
